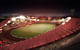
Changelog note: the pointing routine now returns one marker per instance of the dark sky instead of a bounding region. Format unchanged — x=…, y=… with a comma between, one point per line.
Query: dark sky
x=37, y=7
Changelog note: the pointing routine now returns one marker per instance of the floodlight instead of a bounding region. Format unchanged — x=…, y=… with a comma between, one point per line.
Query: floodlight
x=13, y=19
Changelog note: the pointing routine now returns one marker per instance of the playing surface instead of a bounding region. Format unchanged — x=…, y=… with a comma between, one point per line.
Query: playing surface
x=32, y=30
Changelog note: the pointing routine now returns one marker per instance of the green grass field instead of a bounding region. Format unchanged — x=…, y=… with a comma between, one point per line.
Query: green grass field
x=32, y=30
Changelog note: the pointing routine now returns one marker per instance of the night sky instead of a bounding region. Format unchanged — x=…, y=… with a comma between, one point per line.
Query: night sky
x=38, y=7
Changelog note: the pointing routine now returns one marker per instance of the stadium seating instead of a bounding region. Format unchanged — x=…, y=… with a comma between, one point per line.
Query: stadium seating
x=59, y=32
x=3, y=23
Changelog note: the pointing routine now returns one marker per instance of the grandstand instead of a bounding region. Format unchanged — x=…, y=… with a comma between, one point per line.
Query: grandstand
x=65, y=26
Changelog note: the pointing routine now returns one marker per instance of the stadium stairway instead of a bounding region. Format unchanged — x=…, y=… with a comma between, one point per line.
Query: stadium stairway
x=59, y=32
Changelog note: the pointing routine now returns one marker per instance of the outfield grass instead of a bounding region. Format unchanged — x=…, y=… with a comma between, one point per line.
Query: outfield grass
x=32, y=30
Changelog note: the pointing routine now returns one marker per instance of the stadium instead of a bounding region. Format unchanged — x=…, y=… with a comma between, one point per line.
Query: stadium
x=39, y=25
x=27, y=32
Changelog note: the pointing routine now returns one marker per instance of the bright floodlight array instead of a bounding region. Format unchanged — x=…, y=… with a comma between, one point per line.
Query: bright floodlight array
x=21, y=17
x=13, y=19
x=18, y=17
x=24, y=18
x=66, y=20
